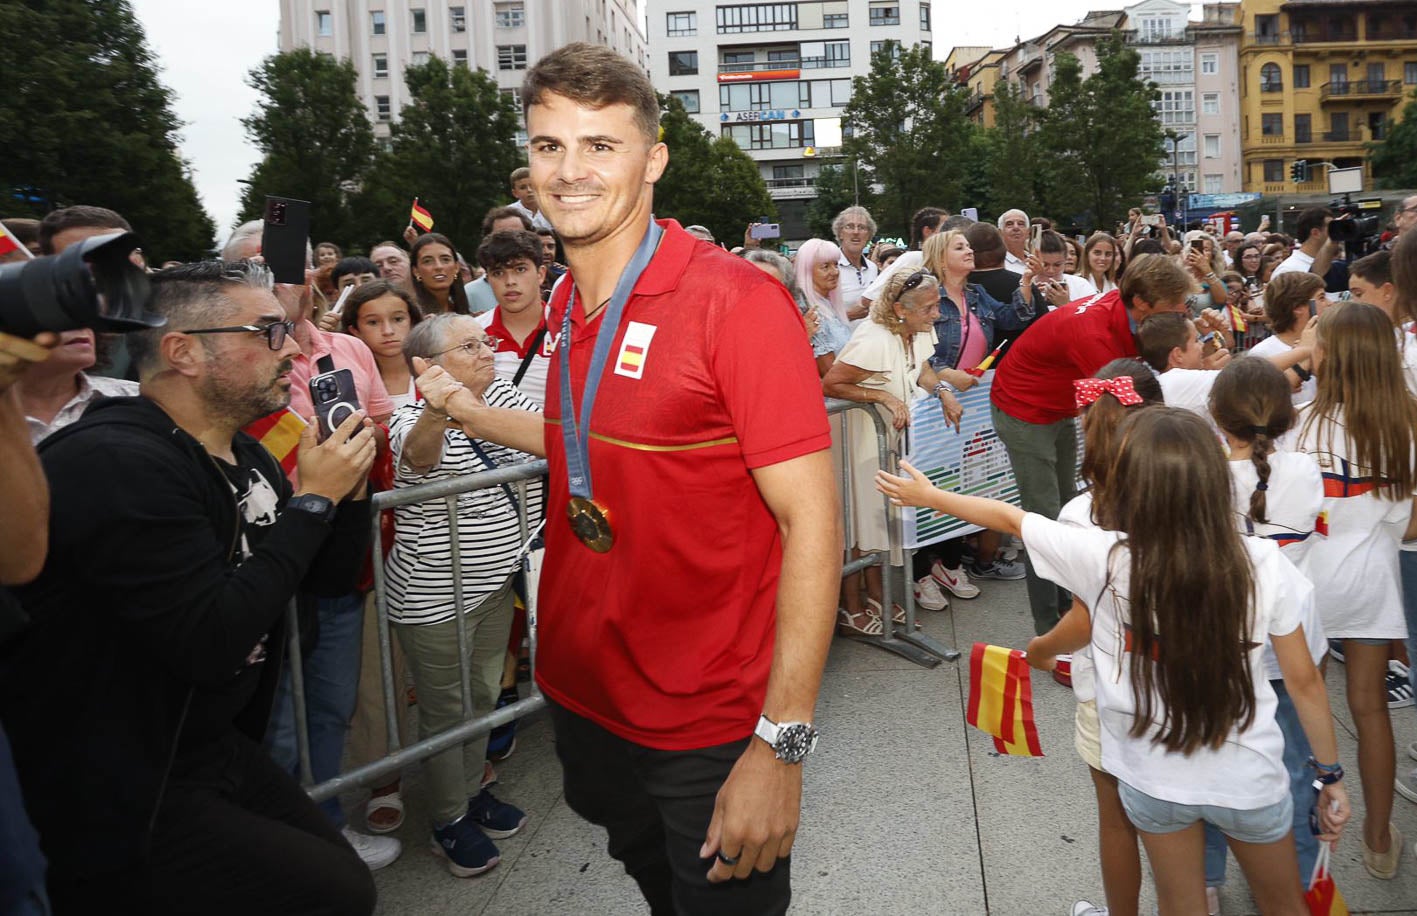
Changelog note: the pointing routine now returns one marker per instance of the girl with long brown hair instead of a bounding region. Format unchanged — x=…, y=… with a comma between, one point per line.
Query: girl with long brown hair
x=1101, y=262
x=1360, y=429
x=1188, y=730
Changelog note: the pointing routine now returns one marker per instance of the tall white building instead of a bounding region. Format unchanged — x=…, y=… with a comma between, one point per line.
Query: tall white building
x=775, y=76
x=503, y=37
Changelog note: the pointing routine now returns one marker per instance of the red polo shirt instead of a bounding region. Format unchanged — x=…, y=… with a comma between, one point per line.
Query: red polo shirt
x=667, y=639
x=1035, y=384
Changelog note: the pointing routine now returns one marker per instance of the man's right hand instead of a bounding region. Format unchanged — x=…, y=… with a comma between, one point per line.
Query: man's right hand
x=339, y=465
x=17, y=354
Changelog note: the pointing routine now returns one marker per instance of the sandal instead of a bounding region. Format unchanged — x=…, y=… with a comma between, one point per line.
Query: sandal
x=849, y=624
x=379, y=822
x=897, y=613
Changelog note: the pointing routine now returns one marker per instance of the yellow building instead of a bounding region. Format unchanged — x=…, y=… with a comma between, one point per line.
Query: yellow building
x=977, y=69
x=1320, y=79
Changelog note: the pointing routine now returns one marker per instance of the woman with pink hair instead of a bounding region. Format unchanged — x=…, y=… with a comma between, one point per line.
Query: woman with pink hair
x=818, y=279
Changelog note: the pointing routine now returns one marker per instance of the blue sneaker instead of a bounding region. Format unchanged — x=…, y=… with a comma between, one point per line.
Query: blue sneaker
x=468, y=850
x=497, y=819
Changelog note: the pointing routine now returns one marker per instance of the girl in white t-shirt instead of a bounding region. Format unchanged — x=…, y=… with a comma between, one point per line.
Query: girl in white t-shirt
x=381, y=313
x=1360, y=430
x=1119, y=389
x=1277, y=496
x=1181, y=608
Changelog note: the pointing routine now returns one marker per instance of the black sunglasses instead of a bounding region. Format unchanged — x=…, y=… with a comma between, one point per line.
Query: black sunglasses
x=276, y=332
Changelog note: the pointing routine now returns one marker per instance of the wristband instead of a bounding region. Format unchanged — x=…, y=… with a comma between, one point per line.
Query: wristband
x=1304, y=374
x=943, y=385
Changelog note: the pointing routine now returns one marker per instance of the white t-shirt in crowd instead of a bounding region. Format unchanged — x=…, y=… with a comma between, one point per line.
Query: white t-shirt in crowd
x=1189, y=389
x=1297, y=263
x=909, y=262
x=403, y=399
x=1079, y=287
x=1354, y=567
x=1273, y=346
x=1247, y=771
x=1078, y=513
x=1015, y=263
x=855, y=280
x=1293, y=499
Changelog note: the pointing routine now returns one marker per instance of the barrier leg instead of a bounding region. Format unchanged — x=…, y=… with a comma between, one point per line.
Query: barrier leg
x=297, y=692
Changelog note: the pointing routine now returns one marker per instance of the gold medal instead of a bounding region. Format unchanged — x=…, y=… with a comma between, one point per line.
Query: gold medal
x=591, y=524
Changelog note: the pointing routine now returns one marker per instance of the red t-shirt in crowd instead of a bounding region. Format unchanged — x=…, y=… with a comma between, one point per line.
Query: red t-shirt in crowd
x=667, y=639
x=1035, y=384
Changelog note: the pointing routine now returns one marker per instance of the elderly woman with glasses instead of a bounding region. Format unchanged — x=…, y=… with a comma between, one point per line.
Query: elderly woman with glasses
x=886, y=363
x=447, y=353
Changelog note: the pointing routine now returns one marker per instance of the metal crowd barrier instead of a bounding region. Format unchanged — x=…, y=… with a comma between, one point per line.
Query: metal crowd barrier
x=902, y=640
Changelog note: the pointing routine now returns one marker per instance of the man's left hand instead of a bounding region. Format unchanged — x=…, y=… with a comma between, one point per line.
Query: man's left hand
x=756, y=814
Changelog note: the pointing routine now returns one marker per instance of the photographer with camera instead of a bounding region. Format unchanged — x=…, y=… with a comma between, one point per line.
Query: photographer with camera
x=138, y=697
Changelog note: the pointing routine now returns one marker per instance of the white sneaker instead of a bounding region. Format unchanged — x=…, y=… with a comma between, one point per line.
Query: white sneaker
x=956, y=580
x=1406, y=785
x=1083, y=908
x=376, y=851
x=929, y=596
x=1412, y=750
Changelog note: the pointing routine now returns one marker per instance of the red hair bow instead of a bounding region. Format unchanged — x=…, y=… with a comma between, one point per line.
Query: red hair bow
x=1087, y=390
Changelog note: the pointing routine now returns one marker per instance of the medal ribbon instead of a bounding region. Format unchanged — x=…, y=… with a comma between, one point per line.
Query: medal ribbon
x=575, y=433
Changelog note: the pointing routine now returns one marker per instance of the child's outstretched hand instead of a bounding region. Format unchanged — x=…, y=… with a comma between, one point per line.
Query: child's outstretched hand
x=913, y=490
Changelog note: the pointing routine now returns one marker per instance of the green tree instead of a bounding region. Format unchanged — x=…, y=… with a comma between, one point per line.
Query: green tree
x=86, y=121
x=315, y=140
x=838, y=188
x=453, y=147
x=1009, y=154
x=1100, y=137
x=1394, y=159
x=708, y=181
x=909, y=131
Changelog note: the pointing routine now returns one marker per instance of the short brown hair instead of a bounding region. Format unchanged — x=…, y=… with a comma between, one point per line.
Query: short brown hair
x=1161, y=333
x=507, y=212
x=1156, y=279
x=595, y=77
x=78, y=217
x=1286, y=294
x=519, y=174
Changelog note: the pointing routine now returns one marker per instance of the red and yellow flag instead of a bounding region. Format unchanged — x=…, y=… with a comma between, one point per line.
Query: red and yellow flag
x=280, y=434
x=9, y=244
x=1001, y=699
x=1237, y=319
x=420, y=217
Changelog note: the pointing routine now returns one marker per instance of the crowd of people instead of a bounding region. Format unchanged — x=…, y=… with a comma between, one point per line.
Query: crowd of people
x=174, y=495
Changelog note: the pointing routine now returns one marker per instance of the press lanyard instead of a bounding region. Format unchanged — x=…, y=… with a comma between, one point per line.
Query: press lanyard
x=575, y=433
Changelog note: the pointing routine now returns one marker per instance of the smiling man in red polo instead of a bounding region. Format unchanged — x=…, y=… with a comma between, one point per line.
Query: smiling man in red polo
x=688, y=446
x=1032, y=394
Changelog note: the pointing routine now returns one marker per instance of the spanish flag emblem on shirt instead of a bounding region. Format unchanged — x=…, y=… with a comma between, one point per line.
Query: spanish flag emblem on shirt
x=420, y=217
x=1001, y=699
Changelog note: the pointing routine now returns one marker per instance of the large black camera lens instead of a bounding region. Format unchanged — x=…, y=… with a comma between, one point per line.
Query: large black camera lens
x=91, y=284
x=1343, y=230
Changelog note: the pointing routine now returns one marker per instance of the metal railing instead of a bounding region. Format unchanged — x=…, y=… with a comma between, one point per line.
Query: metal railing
x=1352, y=89
x=900, y=639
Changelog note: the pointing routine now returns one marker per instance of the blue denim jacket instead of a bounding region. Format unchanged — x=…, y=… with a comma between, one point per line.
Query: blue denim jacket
x=991, y=313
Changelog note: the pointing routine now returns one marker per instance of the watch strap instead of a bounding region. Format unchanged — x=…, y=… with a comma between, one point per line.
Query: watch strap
x=313, y=504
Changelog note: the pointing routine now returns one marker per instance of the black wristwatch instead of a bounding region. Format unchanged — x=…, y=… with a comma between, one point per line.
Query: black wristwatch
x=313, y=503
x=1304, y=374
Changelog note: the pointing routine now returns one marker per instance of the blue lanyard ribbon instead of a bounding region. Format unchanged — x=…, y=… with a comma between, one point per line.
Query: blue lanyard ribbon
x=575, y=433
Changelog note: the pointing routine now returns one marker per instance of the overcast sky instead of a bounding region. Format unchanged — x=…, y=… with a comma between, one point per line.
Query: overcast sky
x=205, y=57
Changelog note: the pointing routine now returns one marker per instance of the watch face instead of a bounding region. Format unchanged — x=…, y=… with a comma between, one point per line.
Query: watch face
x=795, y=742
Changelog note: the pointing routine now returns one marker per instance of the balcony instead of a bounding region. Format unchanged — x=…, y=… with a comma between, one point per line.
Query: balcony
x=1273, y=140
x=974, y=103
x=1269, y=39
x=1160, y=38
x=1323, y=34
x=1360, y=90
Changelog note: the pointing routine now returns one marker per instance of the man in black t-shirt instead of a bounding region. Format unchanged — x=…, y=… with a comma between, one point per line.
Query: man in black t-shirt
x=990, y=273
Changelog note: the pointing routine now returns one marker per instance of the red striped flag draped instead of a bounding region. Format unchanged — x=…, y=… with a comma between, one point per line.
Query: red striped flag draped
x=280, y=434
x=1001, y=699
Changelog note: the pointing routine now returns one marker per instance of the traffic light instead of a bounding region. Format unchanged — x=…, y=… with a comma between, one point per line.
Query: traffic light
x=1299, y=171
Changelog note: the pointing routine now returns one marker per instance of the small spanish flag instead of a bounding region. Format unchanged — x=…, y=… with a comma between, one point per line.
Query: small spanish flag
x=988, y=362
x=631, y=358
x=9, y=244
x=280, y=434
x=1001, y=699
x=420, y=217
x=1237, y=319
x=1321, y=524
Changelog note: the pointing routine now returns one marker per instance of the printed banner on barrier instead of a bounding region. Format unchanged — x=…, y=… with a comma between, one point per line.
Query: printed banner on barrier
x=970, y=460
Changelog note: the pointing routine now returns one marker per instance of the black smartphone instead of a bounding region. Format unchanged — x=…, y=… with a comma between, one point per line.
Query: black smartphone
x=1198, y=245
x=285, y=238
x=334, y=399
x=1313, y=307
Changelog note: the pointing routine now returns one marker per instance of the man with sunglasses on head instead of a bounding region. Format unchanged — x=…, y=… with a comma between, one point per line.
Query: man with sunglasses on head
x=138, y=698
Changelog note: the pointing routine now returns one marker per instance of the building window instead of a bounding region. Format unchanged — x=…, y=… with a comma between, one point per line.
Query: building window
x=885, y=14
x=418, y=58
x=376, y=20
x=381, y=107
x=681, y=25
x=1303, y=128
x=1301, y=76
x=514, y=96
x=821, y=54
x=1176, y=107
x=1155, y=30
x=324, y=24
x=1267, y=29
x=1214, y=184
x=835, y=21
x=1338, y=74
x=511, y=15
x=772, y=135
x=1377, y=75
x=1270, y=78
x=1210, y=64
x=1409, y=73
x=381, y=66
x=888, y=45
x=511, y=57
x=420, y=22
x=683, y=63
x=788, y=172
x=689, y=98
x=1212, y=146
x=1272, y=125
x=924, y=17
x=1210, y=103
x=761, y=17
x=458, y=15
x=1274, y=170
x=459, y=57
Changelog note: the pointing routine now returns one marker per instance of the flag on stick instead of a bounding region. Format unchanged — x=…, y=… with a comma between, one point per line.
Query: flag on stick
x=8, y=243
x=420, y=217
x=1001, y=699
x=1237, y=319
x=280, y=434
x=988, y=362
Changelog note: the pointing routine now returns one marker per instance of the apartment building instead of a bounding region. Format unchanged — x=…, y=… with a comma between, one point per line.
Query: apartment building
x=775, y=76
x=1320, y=80
x=503, y=37
x=977, y=70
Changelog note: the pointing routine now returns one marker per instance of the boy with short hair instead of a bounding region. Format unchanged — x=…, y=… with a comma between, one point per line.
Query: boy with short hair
x=515, y=271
